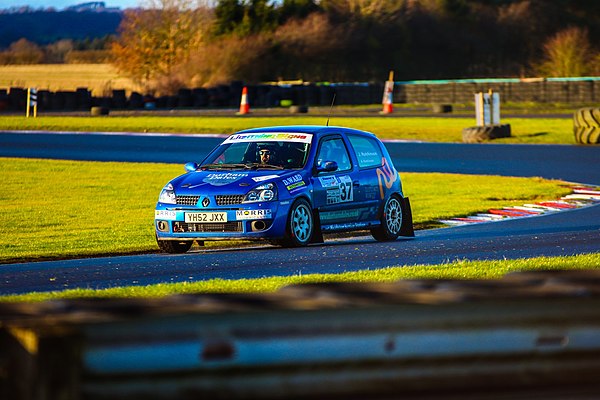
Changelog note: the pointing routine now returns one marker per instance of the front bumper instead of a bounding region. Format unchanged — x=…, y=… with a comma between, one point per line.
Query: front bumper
x=252, y=221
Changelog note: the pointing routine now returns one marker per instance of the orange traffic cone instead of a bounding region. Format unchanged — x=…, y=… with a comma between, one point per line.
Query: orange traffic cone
x=244, y=106
x=388, y=95
x=388, y=106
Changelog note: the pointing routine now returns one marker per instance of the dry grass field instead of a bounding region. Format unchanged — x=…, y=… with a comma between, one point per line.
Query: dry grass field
x=101, y=79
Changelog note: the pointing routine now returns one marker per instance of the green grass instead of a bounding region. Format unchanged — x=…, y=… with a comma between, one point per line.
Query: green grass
x=454, y=270
x=430, y=129
x=60, y=209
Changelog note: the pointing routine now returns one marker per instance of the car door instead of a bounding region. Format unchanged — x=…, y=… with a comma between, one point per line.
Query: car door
x=372, y=172
x=335, y=192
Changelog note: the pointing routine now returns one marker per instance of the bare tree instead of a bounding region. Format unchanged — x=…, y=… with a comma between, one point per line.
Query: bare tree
x=157, y=38
x=568, y=53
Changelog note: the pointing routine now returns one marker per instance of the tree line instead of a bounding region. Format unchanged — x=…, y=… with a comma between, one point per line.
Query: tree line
x=170, y=44
x=63, y=51
x=178, y=43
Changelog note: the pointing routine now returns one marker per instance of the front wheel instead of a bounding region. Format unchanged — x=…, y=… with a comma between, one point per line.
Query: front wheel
x=174, y=246
x=300, y=225
x=391, y=221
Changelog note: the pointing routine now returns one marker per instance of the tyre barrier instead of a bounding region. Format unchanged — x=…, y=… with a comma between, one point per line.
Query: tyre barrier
x=442, y=108
x=528, y=331
x=479, y=134
x=586, y=125
x=99, y=111
x=298, y=109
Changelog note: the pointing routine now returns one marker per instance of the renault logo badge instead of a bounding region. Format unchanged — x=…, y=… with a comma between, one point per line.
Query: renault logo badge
x=205, y=202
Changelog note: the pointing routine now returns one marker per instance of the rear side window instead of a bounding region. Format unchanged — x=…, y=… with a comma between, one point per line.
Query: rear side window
x=367, y=151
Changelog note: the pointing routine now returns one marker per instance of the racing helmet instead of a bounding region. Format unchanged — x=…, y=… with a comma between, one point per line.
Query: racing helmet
x=265, y=148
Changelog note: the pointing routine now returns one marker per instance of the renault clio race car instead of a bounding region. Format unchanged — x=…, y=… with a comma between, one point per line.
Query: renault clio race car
x=288, y=185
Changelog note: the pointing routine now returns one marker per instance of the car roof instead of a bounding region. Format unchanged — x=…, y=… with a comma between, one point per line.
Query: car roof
x=317, y=130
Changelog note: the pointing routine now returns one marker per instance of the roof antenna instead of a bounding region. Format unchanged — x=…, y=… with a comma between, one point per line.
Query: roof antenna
x=330, y=109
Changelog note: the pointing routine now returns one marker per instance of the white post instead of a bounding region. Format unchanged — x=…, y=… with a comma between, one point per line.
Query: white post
x=487, y=108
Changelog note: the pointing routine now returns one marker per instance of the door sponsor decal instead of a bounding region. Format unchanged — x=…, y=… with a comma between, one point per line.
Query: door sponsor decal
x=343, y=227
x=328, y=181
x=342, y=192
x=386, y=175
x=337, y=215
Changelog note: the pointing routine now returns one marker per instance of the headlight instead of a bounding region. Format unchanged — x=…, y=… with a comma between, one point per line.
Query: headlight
x=266, y=192
x=167, y=195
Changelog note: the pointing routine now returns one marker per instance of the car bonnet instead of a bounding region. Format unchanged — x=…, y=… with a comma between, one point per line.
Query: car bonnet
x=238, y=182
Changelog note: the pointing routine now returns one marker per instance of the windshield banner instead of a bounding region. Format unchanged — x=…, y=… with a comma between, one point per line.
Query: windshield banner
x=270, y=137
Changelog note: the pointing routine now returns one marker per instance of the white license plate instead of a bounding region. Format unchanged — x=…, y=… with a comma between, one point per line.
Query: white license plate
x=205, y=217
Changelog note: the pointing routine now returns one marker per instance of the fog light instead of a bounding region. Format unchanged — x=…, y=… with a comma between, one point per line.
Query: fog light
x=162, y=226
x=258, y=226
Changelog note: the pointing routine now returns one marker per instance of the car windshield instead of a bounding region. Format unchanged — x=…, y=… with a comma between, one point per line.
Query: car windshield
x=241, y=152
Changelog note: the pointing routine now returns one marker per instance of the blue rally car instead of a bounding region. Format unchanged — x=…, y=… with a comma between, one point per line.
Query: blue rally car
x=288, y=185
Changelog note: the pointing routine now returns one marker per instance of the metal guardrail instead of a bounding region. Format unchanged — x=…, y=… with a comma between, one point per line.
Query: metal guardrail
x=408, y=338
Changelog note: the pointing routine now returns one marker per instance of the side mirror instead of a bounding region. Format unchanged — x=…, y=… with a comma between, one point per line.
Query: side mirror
x=191, y=167
x=327, y=166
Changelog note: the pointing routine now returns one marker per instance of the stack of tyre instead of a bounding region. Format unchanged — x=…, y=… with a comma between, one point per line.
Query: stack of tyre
x=485, y=133
x=586, y=125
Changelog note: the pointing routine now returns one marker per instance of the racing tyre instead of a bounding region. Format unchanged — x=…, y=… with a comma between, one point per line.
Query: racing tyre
x=391, y=221
x=586, y=126
x=300, y=225
x=173, y=246
x=478, y=134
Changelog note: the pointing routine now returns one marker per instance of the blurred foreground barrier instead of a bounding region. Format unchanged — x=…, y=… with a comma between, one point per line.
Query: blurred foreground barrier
x=409, y=338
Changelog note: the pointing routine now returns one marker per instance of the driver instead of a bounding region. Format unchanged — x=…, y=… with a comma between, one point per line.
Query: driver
x=265, y=155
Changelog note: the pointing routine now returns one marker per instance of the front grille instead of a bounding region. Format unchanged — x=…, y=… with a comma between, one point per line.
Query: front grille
x=229, y=199
x=208, y=227
x=187, y=200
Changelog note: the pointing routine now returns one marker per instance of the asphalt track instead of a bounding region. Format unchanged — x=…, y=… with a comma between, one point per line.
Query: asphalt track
x=564, y=233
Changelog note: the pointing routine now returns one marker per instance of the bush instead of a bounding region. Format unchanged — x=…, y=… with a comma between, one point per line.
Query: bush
x=23, y=52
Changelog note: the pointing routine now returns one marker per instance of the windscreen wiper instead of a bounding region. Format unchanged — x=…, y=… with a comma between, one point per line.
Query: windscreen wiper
x=223, y=166
x=263, y=166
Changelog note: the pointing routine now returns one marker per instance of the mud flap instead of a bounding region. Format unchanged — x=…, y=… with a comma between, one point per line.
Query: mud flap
x=407, y=222
x=317, y=236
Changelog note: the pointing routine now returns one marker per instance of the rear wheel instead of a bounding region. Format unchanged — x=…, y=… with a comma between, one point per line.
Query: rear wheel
x=174, y=246
x=300, y=225
x=391, y=221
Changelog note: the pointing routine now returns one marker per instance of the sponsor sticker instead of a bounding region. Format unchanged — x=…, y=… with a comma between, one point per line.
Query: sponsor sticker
x=165, y=214
x=224, y=179
x=342, y=193
x=368, y=157
x=264, y=178
x=346, y=226
x=336, y=215
x=294, y=183
x=328, y=181
x=270, y=137
x=252, y=214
